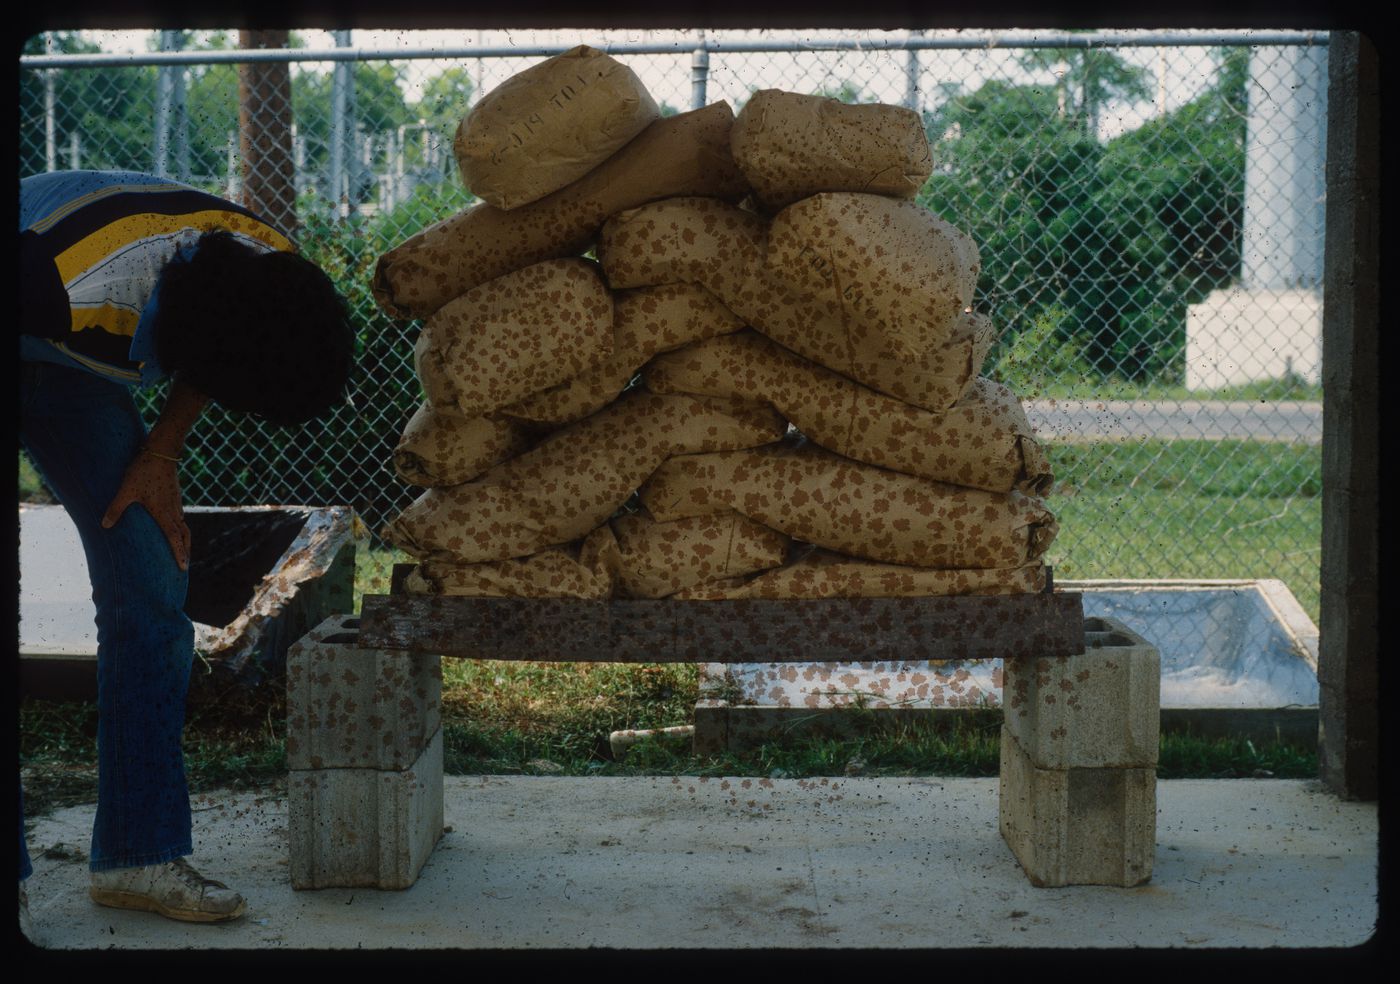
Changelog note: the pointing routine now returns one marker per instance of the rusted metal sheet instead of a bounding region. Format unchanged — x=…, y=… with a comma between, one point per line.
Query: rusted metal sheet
x=732, y=631
x=271, y=620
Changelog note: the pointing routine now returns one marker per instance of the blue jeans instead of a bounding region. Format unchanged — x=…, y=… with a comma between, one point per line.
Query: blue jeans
x=82, y=431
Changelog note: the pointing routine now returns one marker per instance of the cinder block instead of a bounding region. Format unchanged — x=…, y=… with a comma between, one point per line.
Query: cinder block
x=1099, y=709
x=355, y=708
x=1077, y=826
x=711, y=727
x=365, y=828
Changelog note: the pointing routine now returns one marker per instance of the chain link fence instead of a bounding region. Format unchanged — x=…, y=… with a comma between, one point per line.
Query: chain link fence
x=1148, y=209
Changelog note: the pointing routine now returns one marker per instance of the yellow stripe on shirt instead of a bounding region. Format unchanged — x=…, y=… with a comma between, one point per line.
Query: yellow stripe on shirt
x=109, y=318
x=91, y=250
x=103, y=368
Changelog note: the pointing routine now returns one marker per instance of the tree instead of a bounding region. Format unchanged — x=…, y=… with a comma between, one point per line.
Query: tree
x=108, y=109
x=265, y=133
x=1172, y=197
x=1106, y=244
x=847, y=92
x=1089, y=78
x=377, y=107
x=1008, y=167
x=211, y=101
x=447, y=98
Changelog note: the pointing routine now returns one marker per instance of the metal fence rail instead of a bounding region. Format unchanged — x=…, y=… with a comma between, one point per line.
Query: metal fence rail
x=1148, y=208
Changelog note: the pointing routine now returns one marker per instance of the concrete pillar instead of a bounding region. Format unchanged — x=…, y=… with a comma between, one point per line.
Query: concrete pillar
x=1078, y=789
x=1285, y=146
x=1269, y=326
x=1348, y=699
x=364, y=753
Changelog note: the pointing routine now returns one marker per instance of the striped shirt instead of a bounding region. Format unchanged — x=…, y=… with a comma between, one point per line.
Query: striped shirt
x=93, y=245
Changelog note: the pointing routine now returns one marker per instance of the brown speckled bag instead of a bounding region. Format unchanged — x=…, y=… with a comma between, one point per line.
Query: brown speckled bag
x=892, y=275
x=723, y=248
x=587, y=569
x=516, y=335
x=549, y=125
x=686, y=154
x=984, y=441
x=645, y=322
x=819, y=497
x=575, y=480
x=823, y=574
x=791, y=146
x=659, y=559
x=441, y=447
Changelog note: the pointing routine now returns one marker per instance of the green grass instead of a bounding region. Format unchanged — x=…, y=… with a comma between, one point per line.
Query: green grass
x=31, y=486
x=1183, y=756
x=1190, y=509
x=373, y=567
x=1094, y=388
x=540, y=719
x=1149, y=509
x=225, y=748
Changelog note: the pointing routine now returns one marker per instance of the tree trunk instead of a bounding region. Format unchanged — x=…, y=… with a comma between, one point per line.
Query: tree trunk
x=265, y=133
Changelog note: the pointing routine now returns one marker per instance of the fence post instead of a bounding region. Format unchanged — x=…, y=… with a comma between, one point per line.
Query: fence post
x=911, y=75
x=50, y=132
x=362, y=143
x=172, y=122
x=234, y=185
x=165, y=96
x=341, y=79
x=298, y=160
x=74, y=150
x=699, y=74
x=181, y=119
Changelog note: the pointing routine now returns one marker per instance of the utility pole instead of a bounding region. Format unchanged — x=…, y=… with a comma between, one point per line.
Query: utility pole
x=265, y=133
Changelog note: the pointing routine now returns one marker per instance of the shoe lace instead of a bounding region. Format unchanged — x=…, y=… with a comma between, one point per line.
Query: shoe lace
x=187, y=874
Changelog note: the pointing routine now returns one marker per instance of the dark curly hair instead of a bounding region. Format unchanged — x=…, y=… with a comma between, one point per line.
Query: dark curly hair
x=263, y=333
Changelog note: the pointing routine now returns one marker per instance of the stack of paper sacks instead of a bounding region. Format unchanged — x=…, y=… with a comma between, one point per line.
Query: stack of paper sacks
x=764, y=386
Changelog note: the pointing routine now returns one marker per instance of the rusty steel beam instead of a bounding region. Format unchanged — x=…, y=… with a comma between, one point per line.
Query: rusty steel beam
x=731, y=631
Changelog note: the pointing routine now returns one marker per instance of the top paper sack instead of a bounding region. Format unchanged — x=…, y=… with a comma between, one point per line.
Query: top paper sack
x=549, y=126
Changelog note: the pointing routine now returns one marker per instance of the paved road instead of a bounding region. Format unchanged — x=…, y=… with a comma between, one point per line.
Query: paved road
x=1120, y=420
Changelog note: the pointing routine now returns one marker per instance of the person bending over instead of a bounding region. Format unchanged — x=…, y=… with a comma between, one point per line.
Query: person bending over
x=127, y=279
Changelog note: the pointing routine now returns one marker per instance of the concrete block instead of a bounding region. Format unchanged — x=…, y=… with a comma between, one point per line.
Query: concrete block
x=711, y=727
x=1099, y=709
x=1077, y=826
x=365, y=828
x=355, y=708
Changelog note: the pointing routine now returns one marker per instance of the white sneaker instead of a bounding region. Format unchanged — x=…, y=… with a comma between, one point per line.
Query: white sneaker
x=173, y=889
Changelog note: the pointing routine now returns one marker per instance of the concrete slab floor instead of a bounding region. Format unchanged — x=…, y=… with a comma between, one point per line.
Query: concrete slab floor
x=661, y=862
